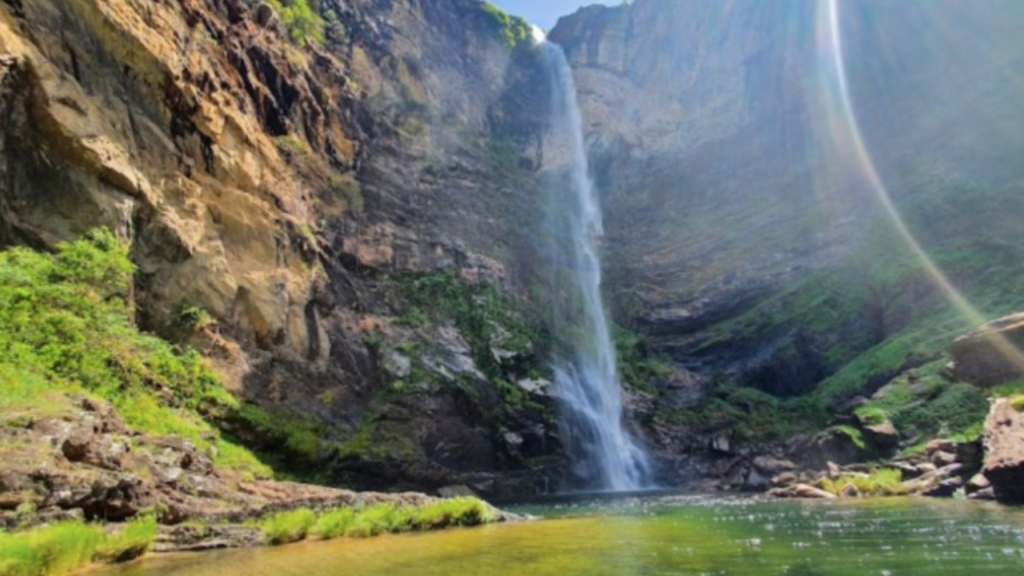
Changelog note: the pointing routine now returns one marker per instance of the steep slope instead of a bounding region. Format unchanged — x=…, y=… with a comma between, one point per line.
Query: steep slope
x=752, y=157
x=298, y=199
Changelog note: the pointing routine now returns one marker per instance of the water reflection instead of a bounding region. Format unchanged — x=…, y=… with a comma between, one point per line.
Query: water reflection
x=654, y=537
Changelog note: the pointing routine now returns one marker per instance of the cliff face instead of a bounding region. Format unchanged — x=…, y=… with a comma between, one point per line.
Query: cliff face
x=293, y=194
x=727, y=153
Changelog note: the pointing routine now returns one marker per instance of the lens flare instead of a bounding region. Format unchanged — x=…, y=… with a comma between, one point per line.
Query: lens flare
x=846, y=132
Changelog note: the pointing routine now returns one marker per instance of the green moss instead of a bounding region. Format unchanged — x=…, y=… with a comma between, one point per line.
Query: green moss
x=512, y=29
x=304, y=25
x=639, y=368
x=853, y=434
x=871, y=416
x=487, y=318
x=926, y=403
x=752, y=415
x=288, y=527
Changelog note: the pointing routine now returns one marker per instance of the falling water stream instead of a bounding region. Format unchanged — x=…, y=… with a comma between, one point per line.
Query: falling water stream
x=603, y=456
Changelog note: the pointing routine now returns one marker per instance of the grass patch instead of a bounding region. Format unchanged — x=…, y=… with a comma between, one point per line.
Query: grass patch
x=66, y=328
x=56, y=550
x=288, y=527
x=130, y=544
x=69, y=546
x=879, y=483
x=334, y=524
x=386, y=518
x=455, y=512
x=380, y=519
x=853, y=434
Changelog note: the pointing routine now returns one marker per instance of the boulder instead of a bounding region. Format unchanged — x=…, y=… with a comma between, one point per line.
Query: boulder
x=770, y=466
x=992, y=354
x=1004, y=452
x=805, y=491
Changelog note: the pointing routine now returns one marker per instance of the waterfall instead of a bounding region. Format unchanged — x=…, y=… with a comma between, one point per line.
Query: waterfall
x=603, y=455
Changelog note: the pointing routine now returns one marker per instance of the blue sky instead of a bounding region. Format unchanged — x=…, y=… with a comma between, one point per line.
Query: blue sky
x=545, y=13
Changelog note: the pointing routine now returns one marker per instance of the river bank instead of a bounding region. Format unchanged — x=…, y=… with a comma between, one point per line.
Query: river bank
x=658, y=536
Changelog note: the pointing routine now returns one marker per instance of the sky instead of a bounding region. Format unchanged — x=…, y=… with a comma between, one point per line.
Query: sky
x=545, y=13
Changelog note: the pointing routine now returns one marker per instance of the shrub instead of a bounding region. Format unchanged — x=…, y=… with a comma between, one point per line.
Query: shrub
x=305, y=27
x=288, y=527
x=59, y=549
x=455, y=512
x=333, y=524
x=379, y=519
x=131, y=543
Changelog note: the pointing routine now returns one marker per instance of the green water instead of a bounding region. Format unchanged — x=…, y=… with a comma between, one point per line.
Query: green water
x=663, y=537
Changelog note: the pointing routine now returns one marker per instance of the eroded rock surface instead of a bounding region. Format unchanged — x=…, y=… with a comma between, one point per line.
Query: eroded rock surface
x=1004, y=452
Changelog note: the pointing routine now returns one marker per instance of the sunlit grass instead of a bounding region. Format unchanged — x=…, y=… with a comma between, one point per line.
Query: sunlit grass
x=70, y=546
x=385, y=518
x=288, y=527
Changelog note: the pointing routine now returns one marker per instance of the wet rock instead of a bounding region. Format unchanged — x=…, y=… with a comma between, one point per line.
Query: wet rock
x=785, y=479
x=398, y=365
x=538, y=387
x=773, y=466
x=944, y=488
x=1004, y=452
x=884, y=437
x=720, y=444
x=977, y=484
x=802, y=491
x=942, y=458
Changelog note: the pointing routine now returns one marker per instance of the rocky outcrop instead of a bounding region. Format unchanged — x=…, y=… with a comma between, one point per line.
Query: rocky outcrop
x=284, y=191
x=1004, y=451
x=727, y=181
x=991, y=355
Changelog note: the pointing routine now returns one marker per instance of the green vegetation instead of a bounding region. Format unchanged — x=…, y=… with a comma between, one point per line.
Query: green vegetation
x=65, y=328
x=1018, y=403
x=305, y=27
x=884, y=482
x=640, y=370
x=288, y=527
x=69, y=546
x=853, y=434
x=752, y=415
x=490, y=321
x=132, y=542
x=385, y=518
x=512, y=29
x=925, y=403
x=334, y=524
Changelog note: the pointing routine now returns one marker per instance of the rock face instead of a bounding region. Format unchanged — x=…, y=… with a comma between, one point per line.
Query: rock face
x=1004, y=452
x=725, y=169
x=992, y=354
x=285, y=191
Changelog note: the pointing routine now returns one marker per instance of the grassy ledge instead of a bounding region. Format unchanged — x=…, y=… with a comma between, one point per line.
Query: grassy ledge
x=68, y=546
x=387, y=518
